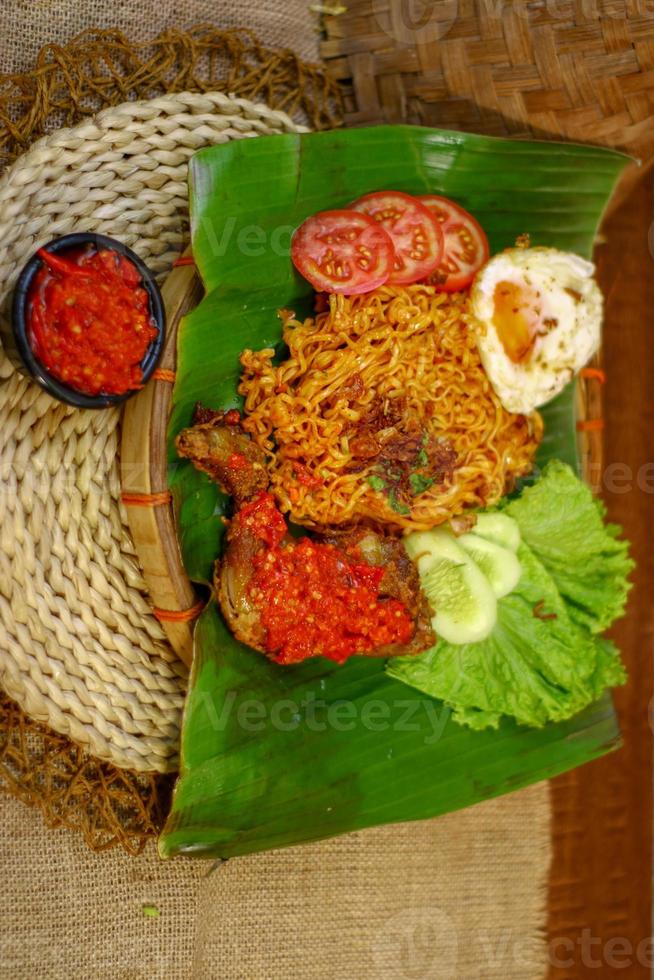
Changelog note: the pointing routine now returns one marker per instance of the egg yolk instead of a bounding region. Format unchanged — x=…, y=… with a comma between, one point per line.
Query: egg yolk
x=516, y=318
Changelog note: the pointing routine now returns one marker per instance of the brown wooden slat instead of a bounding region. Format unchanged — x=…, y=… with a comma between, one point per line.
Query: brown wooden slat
x=602, y=813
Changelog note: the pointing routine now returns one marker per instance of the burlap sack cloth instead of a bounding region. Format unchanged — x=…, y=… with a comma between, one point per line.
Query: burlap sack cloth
x=26, y=25
x=459, y=897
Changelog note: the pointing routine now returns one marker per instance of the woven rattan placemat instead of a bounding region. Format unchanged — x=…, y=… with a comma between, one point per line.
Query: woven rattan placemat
x=79, y=648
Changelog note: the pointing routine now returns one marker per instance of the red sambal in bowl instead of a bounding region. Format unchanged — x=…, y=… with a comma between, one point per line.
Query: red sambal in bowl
x=88, y=320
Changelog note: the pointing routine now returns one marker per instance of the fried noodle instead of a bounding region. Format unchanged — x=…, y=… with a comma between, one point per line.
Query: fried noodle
x=382, y=412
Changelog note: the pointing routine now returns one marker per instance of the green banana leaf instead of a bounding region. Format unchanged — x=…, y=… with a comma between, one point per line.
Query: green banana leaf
x=276, y=756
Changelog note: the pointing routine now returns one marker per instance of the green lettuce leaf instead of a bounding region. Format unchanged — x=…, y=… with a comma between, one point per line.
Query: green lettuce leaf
x=564, y=525
x=534, y=670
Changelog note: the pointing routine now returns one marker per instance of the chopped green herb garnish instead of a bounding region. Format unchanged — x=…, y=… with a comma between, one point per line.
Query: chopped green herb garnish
x=422, y=458
x=376, y=482
x=150, y=911
x=420, y=483
x=397, y=505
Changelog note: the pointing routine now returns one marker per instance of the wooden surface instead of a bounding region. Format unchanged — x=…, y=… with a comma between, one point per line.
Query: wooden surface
x=600, y=887
x=144, y=471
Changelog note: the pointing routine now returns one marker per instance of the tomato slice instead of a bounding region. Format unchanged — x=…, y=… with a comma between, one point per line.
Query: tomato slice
x=415, y=232
x=466, y=245
x=342, y=252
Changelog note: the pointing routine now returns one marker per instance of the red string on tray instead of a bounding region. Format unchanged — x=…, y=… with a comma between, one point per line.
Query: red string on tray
x=179, y=615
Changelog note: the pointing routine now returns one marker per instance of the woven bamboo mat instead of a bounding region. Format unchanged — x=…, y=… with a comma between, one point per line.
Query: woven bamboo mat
x=570, y=69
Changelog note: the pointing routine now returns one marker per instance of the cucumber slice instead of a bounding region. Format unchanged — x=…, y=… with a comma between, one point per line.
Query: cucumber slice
x=465, y=607
x=500, y=566
x=498, y=528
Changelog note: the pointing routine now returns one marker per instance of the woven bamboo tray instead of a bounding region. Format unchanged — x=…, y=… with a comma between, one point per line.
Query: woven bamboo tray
x=557, y=70
x=150, y=510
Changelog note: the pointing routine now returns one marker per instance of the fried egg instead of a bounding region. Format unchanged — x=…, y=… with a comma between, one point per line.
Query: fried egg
x=537, y=319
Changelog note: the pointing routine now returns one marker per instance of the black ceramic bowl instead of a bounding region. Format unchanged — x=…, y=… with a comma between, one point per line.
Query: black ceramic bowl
x=17, y=343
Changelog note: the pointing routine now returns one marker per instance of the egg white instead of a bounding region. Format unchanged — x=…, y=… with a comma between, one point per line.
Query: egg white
x=570, y=297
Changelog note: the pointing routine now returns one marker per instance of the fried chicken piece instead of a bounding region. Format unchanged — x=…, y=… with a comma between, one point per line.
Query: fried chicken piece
x=217, y=446
x=233, y=576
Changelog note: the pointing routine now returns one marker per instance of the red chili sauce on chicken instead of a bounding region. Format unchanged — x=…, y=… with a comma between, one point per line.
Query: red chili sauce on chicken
x=313, y=599
x=89, y=320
